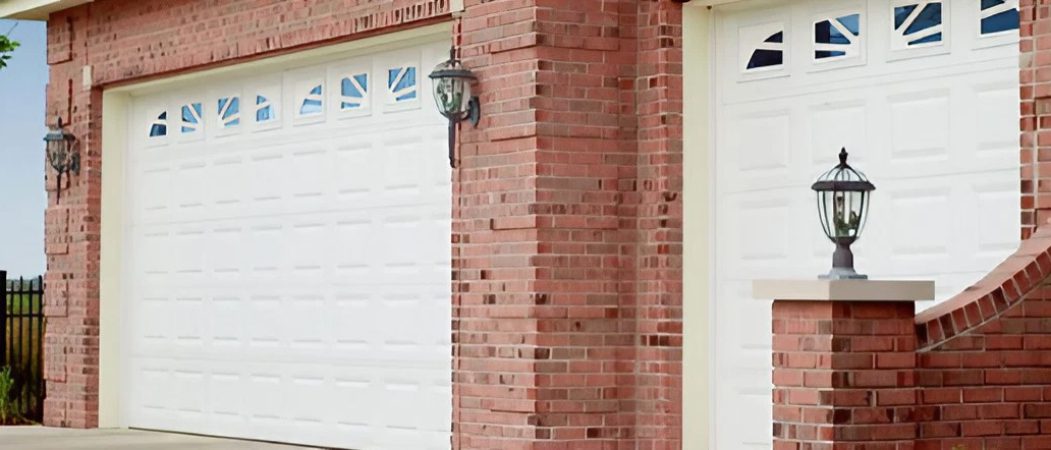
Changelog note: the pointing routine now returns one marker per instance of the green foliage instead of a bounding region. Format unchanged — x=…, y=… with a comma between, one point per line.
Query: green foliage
x=6, y=47
x=7, y=401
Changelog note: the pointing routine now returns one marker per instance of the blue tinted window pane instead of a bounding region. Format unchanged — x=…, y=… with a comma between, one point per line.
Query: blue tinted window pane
x=264, y=114
x=362, y=80
x=259, y=99
x=1004, y=21
x=825, y=33
x=310, y=107
x=931, y=16
x=766, y=58
x=187, y=114
x=821, y=54
x=229, y=107
x=776, y=37
x=986, y=4
x=160, y=129
x=349, y=105
x=852, y=23
x=408, y=96
x=190, y=113
x=901, y=13
x=408, y=80
x=350, y=90
x=936, y=37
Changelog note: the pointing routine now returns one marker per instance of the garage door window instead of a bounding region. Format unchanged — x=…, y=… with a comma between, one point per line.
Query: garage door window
x=229, y=111
x=312, y=102
x=998, y=16
x=918, y=24
x=191, y=118
x=837, y=38
x=159, y=127
x=769, y=52
x=402, y=83
x=354, y=90
x=264, y=110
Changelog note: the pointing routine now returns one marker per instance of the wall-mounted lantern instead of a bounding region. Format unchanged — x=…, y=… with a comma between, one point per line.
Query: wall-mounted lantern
x=62, y=154
x=452, y=92
x=843, y=203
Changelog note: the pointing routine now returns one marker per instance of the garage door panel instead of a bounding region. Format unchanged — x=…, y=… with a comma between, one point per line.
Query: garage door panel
x=935, y=127
x=289, y=259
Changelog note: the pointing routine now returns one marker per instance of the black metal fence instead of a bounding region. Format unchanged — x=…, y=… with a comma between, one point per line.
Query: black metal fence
x=22, y=343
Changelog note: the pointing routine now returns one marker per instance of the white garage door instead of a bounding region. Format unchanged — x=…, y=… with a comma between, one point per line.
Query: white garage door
x=924, y=95
x=287, y=256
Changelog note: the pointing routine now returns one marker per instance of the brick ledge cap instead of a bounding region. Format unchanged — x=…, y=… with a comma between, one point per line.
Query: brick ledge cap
x=844, y=290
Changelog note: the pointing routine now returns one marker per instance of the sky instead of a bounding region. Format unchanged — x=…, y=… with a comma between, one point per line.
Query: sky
x=22, y=129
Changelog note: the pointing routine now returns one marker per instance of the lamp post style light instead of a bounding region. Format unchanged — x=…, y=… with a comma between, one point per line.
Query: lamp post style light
x=452, y=93
x=61, y=154
x=843, y=203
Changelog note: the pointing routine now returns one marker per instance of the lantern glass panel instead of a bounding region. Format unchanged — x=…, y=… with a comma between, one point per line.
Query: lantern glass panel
x=444, y=95
x=843, y=213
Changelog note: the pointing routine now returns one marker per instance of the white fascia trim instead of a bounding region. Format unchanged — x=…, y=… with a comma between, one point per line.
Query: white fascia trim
x=34, y=9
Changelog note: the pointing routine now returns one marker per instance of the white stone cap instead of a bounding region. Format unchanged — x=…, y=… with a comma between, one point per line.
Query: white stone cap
x=844, y=290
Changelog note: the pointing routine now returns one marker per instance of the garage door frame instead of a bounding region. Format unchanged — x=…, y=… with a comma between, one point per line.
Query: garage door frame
x=698, y=240
x=116, y=102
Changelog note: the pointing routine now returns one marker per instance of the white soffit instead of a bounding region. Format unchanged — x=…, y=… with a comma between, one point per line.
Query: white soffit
x=34, y=9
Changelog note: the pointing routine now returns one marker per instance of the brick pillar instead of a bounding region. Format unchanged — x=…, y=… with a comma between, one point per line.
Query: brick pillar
x=844, y=364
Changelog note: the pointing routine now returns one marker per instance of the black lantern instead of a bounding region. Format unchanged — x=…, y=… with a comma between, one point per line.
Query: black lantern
x=61, y=153
x=452, y=93
x=843, y=203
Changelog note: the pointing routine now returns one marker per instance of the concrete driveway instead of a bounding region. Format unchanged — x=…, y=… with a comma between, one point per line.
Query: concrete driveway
x=41, y=438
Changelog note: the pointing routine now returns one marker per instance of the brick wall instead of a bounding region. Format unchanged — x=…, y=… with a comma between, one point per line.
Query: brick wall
x=985, y=359
x=1035, y=79
x=567, y=206
x=584, y=127
x=971, y=373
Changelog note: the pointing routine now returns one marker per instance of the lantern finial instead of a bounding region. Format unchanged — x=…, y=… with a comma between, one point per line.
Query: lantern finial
x=843, y=156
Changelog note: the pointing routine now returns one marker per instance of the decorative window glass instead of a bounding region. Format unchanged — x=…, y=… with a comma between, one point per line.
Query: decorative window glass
x=354, y=91
x=229, y=111
x=159, y=127
x=312, y=102
x=918, y=24
x=837, y=37
x=401, y=81
x=191, y=118
x=999, y=16
x=769, y=53
x=264, y=110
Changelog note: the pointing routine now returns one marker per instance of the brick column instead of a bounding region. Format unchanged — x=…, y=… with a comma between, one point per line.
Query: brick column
x=844, y=360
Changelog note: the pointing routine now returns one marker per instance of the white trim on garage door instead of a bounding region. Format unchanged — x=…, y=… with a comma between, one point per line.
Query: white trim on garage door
x=284, y=267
